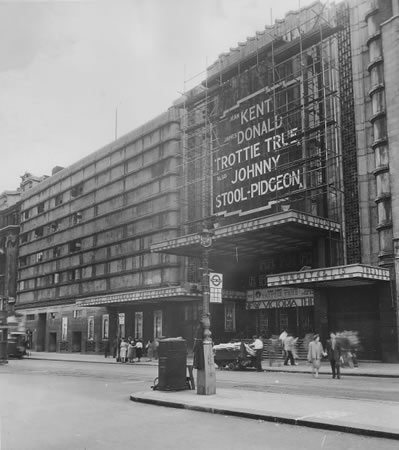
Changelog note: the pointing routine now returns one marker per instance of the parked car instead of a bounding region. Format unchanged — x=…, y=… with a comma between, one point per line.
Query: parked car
x=16, y=345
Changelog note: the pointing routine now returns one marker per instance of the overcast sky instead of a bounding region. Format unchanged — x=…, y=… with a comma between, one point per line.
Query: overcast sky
x=66, y=66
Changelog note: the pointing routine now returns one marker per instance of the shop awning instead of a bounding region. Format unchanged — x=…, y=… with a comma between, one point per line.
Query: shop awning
x=174, y=293
x=338, y=276
x=275, y=233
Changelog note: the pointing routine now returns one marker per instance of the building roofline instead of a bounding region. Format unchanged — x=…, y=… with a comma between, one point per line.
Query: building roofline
x=171, y=115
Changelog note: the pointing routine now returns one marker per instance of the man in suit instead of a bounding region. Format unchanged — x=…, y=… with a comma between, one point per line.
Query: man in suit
x=334, y=353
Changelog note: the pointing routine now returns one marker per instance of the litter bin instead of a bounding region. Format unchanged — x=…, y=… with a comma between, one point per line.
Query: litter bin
x=172, y=363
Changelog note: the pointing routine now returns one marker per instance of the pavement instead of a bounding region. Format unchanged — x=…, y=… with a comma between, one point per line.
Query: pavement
x=364, y=417
x=365, y=369
x=351, y=416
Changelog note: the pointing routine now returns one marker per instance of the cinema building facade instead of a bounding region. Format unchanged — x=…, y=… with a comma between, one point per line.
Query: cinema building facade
x=289, y=159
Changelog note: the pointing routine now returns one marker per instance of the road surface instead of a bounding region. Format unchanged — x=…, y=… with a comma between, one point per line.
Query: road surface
x=72, y=405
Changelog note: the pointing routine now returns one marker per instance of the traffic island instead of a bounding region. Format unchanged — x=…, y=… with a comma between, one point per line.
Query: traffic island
x=377, y=419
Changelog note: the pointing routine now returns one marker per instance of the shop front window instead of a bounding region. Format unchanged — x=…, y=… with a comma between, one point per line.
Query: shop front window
x=157, y=324
x=105, y=326
x=90, y=328
x=229, y=316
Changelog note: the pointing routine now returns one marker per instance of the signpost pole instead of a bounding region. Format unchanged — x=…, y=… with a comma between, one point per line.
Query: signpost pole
x=206, y=376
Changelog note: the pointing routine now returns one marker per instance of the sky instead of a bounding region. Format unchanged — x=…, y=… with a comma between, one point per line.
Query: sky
x=66, y=67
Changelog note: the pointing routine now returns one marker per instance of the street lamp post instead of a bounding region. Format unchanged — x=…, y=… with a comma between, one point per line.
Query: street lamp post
x=206, y=376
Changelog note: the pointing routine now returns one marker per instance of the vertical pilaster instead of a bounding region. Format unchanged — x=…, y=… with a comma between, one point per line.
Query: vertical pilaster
x=321, y=313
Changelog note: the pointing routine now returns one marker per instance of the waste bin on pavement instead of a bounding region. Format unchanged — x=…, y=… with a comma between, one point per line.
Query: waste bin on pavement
x=172, y=364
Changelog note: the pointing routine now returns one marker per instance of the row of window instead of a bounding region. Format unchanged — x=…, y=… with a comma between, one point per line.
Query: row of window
x=190, y=311
x=113, y=267
x=139, y=211
x=77, y=313
x=162, y=219
x=138, y=324
x=76, y=191
x=90, y=328
x=73, y=247
x=161, y=167
x=96, y=243
x=52, y=227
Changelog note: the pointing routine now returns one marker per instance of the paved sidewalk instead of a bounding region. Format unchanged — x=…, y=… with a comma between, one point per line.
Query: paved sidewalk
x=373, y=418
x=378, y=419
x=367, y=369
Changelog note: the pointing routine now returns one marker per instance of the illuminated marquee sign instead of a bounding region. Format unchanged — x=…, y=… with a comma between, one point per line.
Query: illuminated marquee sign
x=258, y=160
x=329, y=274
x=271, y=298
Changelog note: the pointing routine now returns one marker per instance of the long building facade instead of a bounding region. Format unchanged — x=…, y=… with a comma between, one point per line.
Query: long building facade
x=86, y=275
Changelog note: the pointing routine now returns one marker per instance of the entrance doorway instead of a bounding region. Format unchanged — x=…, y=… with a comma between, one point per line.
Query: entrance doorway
x=52, y=342
x=41, y=333
x=77, y=341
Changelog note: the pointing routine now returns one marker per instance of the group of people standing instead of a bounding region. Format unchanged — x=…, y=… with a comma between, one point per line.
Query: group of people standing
x=315, y=352
x=131, y=350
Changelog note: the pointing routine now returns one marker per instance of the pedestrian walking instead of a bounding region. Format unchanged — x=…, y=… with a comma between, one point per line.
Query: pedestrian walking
x=149, y=350
x=289, y=347
x=315, y=353
x=139, y=349
x=123, y=350
x=283, y=336
x=257, y=345
x=334, y=352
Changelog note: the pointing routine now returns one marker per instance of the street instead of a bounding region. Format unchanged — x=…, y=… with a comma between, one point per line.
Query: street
x=80, y=405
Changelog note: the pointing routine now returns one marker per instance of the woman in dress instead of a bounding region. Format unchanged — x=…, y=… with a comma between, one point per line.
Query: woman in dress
x=131, y=352
x=315, y=353
x=149, y=350
x=123, y=350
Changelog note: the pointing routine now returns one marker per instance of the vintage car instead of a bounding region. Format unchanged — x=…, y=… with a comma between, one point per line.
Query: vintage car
x=16, y=345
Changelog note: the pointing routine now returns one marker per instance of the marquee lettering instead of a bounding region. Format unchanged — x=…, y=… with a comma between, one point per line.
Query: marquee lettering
x=249, y=166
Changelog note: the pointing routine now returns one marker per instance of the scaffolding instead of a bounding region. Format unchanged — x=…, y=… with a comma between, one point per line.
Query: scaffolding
x=296, y=66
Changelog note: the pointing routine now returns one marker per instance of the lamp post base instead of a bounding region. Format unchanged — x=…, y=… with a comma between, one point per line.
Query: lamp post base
x=206, y=378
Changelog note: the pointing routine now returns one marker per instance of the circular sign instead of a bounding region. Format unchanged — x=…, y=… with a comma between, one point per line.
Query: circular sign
x=206, y=240
x=216, y=279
